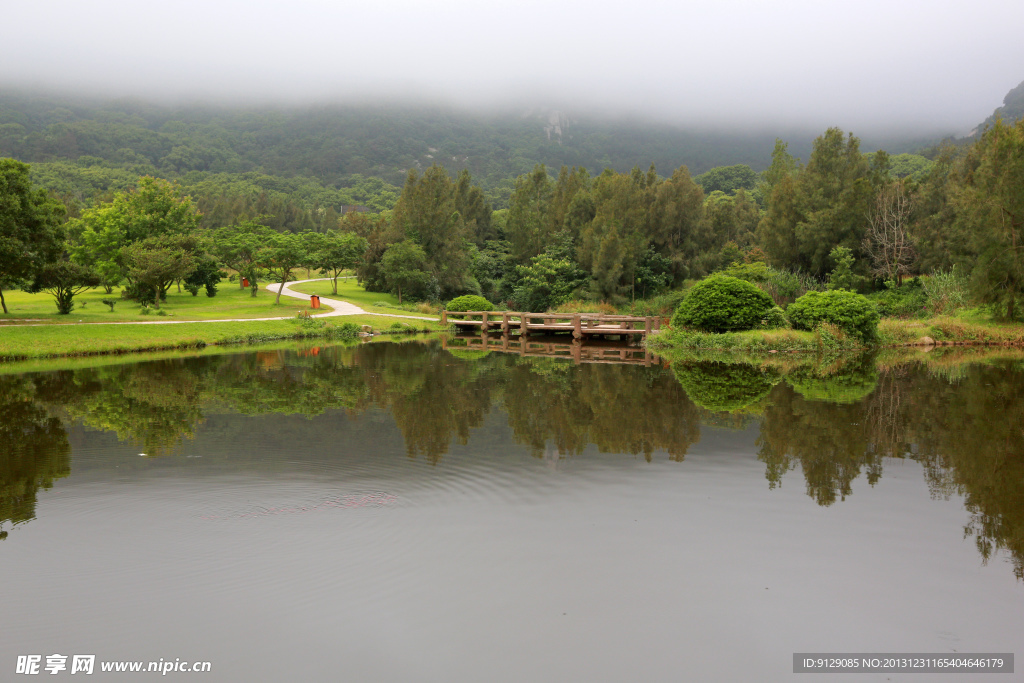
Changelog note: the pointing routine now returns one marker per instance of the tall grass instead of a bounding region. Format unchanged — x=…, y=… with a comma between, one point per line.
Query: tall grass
x=947, y=291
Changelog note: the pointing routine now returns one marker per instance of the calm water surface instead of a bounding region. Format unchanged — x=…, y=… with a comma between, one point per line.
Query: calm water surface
x=401, y=512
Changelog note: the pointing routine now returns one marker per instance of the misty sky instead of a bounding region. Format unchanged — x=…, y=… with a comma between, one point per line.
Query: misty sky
x=933, y=64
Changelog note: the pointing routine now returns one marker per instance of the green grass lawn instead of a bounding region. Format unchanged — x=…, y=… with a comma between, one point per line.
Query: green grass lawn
x=351, y=291
x=23, y=342
x=230, y=302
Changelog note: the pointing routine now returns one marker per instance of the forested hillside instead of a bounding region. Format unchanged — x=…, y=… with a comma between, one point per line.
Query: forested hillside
x=1010, y=112
x=304, y=160
x=266, y=191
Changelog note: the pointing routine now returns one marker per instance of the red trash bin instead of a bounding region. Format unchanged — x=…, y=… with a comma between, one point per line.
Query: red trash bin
x=314, y=301
x=245, y=282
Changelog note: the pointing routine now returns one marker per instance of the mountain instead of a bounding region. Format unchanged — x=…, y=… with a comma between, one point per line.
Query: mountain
x=1010, y=112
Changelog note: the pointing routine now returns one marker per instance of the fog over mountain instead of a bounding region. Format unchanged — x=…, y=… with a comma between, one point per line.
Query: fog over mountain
x=928, y=66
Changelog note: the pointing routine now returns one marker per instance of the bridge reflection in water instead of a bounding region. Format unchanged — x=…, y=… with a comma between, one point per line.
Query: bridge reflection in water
x=579, y=351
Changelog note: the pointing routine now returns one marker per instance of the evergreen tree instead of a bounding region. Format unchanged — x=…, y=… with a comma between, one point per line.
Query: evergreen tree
x=31, y=234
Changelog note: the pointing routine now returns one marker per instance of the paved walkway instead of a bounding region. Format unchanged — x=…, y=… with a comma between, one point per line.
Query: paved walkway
x=340, y=307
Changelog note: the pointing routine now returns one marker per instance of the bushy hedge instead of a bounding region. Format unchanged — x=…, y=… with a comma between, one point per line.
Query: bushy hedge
x=775, y=319
x=908, y=301
x=781, y=285
x=469, y=302
x=721, y=303
x=849, y=311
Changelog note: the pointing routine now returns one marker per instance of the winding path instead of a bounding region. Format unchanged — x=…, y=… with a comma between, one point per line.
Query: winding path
x=339, y=308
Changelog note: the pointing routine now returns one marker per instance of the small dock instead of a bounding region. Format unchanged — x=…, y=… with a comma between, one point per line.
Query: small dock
x=579, y=324
x=607, y=352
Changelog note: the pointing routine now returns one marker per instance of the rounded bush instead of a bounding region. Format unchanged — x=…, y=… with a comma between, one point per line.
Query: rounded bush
x=847, y=310
x=469, y=302
x=721, y=303
x=775, y=319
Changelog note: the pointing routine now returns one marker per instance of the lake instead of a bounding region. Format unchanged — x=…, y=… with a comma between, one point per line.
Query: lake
x=408, y=512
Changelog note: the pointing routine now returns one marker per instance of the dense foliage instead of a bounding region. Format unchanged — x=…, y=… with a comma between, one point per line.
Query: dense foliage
x=849, y=311
x=469, y=302
x=31, y=234
x=238, y=183
x=723, y=304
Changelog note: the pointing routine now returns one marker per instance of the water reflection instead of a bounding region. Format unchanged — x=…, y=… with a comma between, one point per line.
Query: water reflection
x=835, y=418
x=35, y=448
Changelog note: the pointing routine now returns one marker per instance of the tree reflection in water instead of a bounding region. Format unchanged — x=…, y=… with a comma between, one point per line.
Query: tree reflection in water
x=34, y=452
x=836, y=418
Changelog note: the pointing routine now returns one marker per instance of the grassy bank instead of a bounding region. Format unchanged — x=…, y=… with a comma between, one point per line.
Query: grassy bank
x=825, y=338
x=26, y=342
x=892, y=332
x=230, y=302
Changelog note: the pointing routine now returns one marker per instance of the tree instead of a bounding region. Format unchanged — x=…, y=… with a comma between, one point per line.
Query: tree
x=206, y=273
x=675, y=221
x=155, y=209
x=888, y=242
x=990, y=207
x=428, y=213
x=728, y=179
x=546, y=282
x=283, y=256
x=238, y=247
x=336, y=252
x=63, y=280
x=31, y=234
x=842, y=276
x=529, y=223
x=833, y=192
x=817, y=207
x=475, y=209
x=404, y=266
x=155, y=263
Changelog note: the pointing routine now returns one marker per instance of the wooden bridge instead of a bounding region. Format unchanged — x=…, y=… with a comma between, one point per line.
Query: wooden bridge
x=618, y=353
x=579, y=324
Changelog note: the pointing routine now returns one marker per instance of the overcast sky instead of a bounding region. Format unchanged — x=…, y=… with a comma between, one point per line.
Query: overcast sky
x=937, y=64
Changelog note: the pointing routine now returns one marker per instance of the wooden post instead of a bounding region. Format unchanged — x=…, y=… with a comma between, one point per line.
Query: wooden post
x=647, y=326
x=504, y=322
x=577, y=327
x=577, y=352
x=483, y=321
x=444, y=317
x=524, y=325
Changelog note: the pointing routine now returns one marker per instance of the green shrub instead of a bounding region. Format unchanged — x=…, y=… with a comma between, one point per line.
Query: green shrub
x=947, y=291
x=782, y=286
x=661, y=305
x=774, y=319
x=847, y=310
x=721, y=303
x=469, y=302
x=907, y=301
